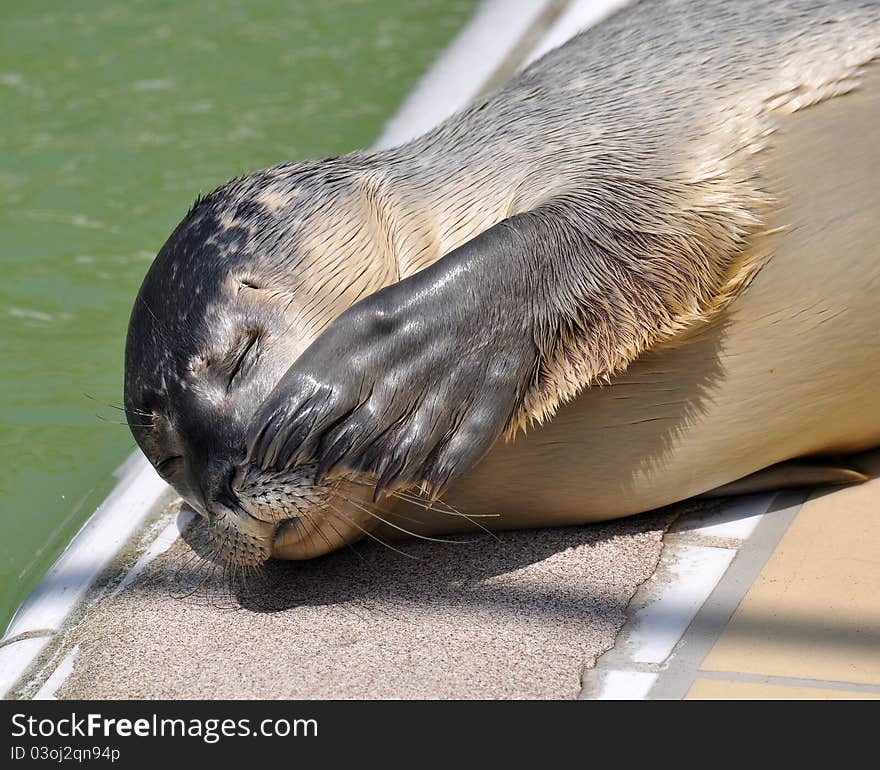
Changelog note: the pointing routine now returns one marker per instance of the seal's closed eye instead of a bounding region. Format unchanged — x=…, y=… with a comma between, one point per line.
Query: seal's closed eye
x=168, y=465
x=240, y=357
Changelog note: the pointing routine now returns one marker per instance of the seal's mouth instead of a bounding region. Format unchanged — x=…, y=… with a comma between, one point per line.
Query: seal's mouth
x=285, y=514
x=244, y=522
x=285, y=528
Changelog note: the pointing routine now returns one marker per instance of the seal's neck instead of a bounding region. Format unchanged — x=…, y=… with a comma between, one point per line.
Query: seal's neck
x=435, y=203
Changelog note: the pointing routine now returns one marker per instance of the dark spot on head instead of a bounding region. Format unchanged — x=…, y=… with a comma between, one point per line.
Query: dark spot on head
x=249, y=210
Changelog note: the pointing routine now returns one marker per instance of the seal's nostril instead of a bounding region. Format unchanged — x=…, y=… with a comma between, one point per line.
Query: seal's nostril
x=226, y=492
x=242, y=521
x=237, y=478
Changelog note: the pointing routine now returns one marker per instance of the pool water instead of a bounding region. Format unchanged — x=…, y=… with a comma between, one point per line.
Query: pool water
x=114, y=116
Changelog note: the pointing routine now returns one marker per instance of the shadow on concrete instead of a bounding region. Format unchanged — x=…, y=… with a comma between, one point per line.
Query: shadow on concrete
x=476, y=569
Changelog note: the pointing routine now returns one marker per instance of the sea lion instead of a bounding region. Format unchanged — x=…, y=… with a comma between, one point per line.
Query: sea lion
x=576, y=253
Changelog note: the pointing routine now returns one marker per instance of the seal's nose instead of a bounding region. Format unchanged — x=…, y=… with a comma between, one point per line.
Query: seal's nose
x=213, y=478
x=222, y=504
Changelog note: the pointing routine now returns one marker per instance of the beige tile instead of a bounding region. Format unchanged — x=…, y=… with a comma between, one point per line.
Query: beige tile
x=725, y=689
x=814, y=611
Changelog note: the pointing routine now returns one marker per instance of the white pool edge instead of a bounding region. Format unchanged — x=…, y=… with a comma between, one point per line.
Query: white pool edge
x=139, y=493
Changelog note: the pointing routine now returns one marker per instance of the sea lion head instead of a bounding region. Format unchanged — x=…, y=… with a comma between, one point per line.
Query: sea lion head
x=237, y=292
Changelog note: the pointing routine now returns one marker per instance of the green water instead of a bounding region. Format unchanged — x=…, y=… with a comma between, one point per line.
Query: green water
x=114, y=115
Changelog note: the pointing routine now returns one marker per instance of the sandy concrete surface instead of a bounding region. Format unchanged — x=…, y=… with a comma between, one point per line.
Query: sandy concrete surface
x=519, y=616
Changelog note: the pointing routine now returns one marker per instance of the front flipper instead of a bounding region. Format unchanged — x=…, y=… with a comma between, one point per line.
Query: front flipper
x=414, y=383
